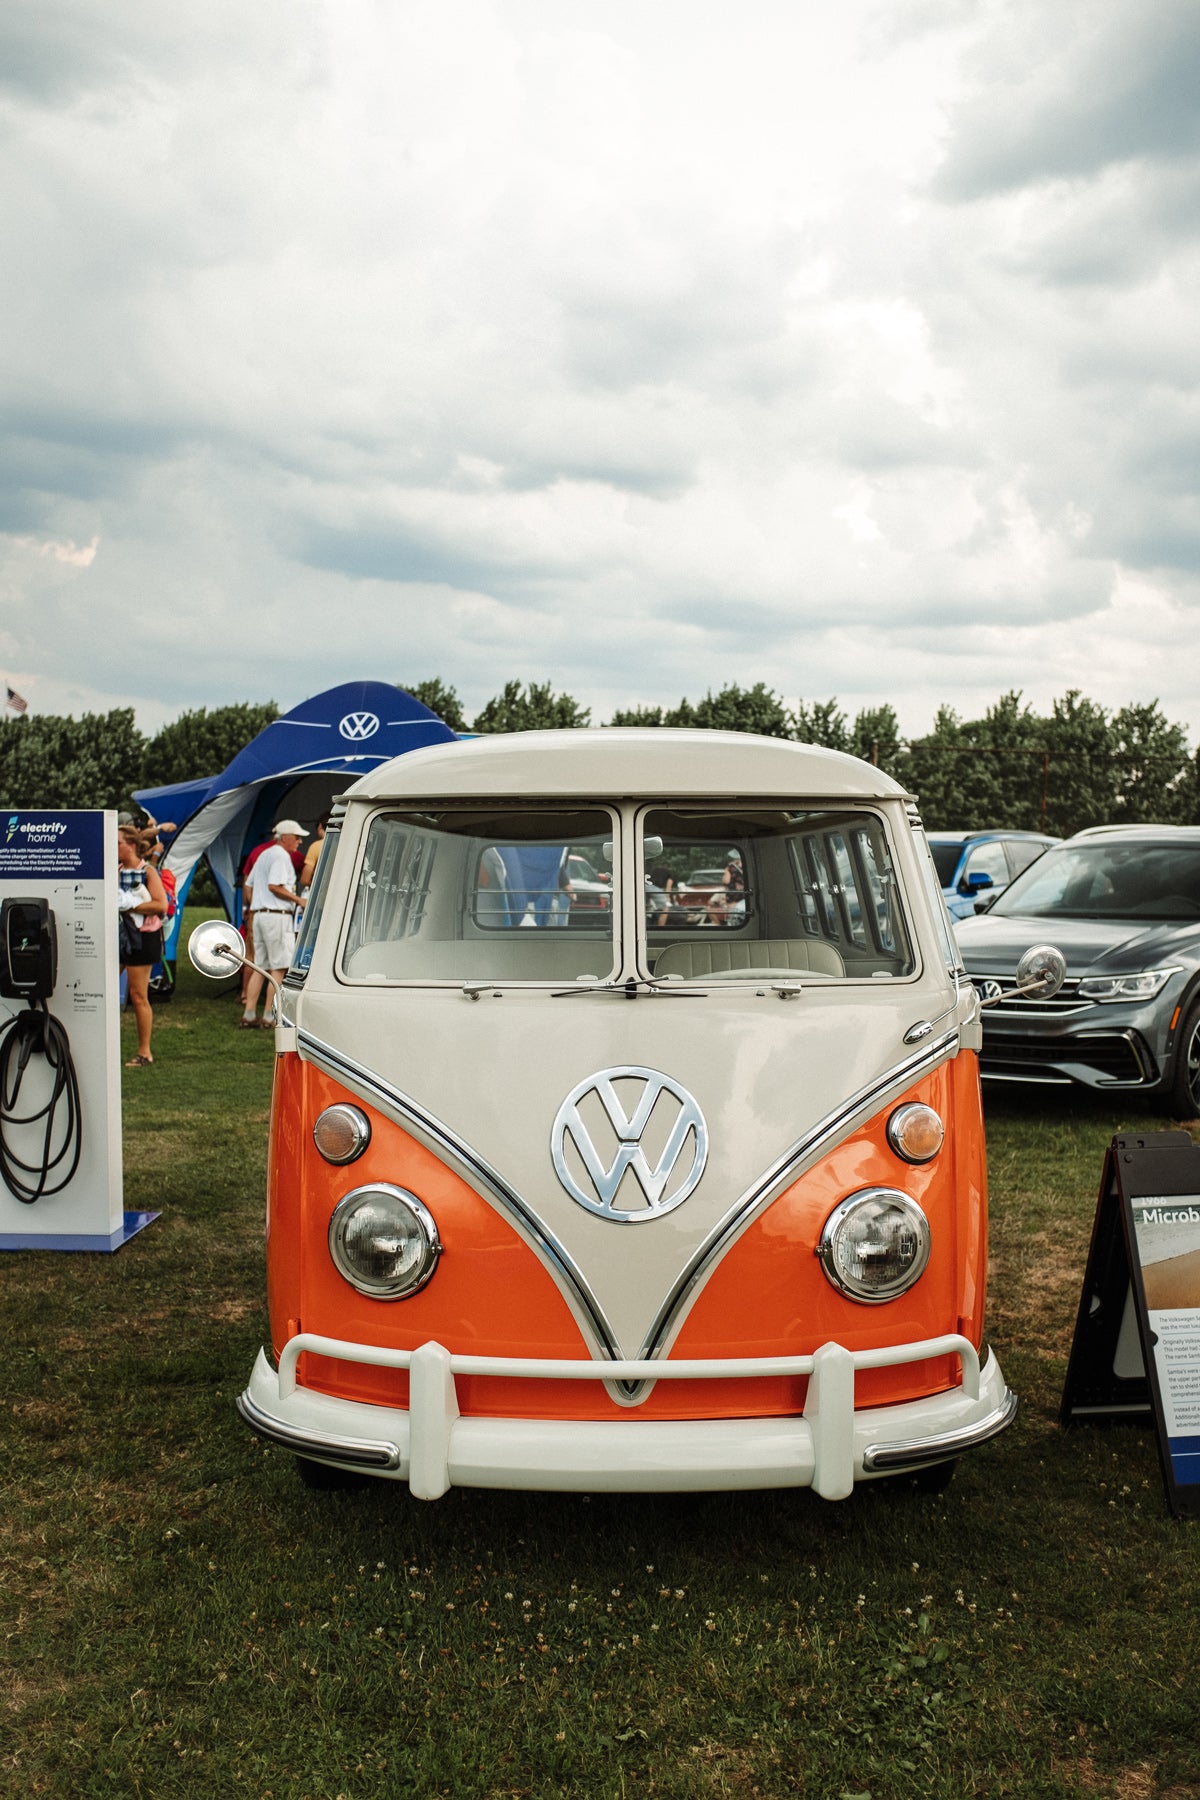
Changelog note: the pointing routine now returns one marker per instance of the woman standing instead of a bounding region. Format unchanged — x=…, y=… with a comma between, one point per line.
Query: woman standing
x=141, y=933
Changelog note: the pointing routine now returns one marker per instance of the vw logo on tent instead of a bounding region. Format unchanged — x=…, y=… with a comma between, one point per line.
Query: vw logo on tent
x=358, y=725
x=652, y=1130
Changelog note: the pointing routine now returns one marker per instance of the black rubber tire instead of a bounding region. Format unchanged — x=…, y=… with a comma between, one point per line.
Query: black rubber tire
x=935, y=1478
x=1185, y=1066
x=323, y=1478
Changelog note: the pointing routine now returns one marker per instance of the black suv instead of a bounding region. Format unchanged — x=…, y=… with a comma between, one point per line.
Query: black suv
x=1122, y=903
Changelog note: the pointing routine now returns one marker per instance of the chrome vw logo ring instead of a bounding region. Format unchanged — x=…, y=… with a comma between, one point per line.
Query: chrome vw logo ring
x=593, y=1174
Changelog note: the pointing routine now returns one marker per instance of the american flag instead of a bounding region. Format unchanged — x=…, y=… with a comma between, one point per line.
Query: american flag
x=13, y=701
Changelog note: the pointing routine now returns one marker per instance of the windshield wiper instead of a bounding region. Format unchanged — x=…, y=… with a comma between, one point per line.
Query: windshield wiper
x=630, y=989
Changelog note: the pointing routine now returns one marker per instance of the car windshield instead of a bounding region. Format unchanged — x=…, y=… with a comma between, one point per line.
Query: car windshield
x=483, y=896
x=1129, y=880
x=946, y=857
x=738, y=891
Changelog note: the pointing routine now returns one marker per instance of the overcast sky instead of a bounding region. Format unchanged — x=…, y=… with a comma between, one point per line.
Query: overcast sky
x=638, y=347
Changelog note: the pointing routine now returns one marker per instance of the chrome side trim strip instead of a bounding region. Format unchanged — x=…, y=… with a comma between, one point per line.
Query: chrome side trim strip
x=918, y=1453
x=763, y=1190
x=406, y=1112
x=364, y=1453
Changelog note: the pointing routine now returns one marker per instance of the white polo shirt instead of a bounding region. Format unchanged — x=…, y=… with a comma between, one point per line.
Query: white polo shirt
x=273, y=866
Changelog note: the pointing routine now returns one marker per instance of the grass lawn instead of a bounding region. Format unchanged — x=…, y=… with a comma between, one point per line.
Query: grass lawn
x=180, y=1616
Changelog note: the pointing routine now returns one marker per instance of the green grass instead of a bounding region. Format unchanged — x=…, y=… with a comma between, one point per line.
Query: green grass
x=181, y=1617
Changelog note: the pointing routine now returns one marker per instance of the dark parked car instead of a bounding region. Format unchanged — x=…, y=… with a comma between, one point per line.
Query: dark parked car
x=1123, y=905
x=971, y=864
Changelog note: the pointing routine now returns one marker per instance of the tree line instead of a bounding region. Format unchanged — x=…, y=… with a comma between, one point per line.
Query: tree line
x=1080, y=764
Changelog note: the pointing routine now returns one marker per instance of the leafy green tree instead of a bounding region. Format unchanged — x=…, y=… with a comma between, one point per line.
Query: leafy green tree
x=203, y=742
x=644, y=716
x=532, y=708
x=876, y=738
x=757, y=709
x=56, y=761
x=440, y=699
x=823, y=722
x=1076, y=776
x=1152, y=772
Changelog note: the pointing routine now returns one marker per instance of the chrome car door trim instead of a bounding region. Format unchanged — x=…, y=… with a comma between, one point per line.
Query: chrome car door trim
x=406, y=1112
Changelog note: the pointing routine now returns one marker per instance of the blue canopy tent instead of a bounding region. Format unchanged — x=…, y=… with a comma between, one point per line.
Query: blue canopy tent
x=292, y=769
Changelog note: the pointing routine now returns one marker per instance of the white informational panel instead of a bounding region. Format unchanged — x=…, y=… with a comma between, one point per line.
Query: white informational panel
x=69, y=860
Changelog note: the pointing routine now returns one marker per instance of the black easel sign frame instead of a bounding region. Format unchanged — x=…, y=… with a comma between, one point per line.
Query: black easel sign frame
x=1135, y=1357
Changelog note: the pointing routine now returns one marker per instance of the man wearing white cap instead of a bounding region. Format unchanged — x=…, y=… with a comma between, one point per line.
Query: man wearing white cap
x=274, y=899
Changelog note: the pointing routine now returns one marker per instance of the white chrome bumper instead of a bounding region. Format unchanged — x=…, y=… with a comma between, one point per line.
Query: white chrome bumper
x=432, y=1447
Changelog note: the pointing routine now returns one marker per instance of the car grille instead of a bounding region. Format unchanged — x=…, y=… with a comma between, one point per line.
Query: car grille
x=1112, y=1057
x=1065, y=1001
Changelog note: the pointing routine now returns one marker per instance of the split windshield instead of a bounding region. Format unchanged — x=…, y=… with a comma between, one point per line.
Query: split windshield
x=533, y=894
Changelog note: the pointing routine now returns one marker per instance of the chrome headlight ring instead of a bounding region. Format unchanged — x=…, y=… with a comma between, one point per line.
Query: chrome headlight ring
x=384, y=1241
x=875, y=1244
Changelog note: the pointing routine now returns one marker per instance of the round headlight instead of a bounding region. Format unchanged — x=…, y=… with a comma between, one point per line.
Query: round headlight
x=384, y=1241
x=875, y=1244
x=341, y=1133
x=915, y=1133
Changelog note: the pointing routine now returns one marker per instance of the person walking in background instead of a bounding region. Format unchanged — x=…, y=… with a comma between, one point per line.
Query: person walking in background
x=274, y=899
x=312, y=856
x=143, y=907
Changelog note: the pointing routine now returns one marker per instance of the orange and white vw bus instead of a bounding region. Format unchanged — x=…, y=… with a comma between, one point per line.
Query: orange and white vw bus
x=586, y=1175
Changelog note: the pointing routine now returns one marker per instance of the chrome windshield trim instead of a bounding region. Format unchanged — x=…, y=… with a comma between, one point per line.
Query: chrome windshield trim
x=784, y=1169
x=406, y=1112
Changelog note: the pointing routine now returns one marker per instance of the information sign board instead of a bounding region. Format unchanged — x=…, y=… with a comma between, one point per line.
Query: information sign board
x=68, y=860
x=1136, y=1350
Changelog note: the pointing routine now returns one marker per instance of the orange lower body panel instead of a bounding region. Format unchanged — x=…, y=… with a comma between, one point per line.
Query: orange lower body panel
x=492, y=1296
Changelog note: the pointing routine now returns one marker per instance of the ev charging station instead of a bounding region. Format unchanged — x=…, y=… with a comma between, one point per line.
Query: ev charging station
x=61, y=1181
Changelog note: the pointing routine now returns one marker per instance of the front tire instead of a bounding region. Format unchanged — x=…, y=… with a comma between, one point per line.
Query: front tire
x=324, y=1478
x=1185, y=1068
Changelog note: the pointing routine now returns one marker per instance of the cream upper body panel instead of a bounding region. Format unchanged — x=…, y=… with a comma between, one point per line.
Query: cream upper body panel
x=622, y=762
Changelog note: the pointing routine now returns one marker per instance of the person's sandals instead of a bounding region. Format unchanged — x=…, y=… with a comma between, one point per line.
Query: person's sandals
x=247, y=1022
x=140, y=1062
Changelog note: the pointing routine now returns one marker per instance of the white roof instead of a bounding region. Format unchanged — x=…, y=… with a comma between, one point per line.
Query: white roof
x=616, y=762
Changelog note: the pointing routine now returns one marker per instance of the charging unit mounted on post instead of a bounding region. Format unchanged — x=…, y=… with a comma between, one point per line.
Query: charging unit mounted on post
x=29, y=971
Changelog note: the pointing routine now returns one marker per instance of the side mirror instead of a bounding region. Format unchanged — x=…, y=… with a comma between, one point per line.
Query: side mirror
x=974, y=884
x=986, y=902
x=1041, y=972
x=216, y=949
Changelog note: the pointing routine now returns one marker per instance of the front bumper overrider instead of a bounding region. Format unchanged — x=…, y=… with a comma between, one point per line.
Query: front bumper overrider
x=828, y=1447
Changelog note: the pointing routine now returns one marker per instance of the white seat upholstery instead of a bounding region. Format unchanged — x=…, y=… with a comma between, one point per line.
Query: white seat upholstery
x=719, y=952
x=508, y=956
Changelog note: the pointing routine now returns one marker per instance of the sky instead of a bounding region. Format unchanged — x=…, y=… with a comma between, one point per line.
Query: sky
x=638, y=348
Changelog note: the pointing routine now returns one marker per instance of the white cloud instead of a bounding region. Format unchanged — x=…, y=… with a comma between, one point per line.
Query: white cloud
x=642, y=349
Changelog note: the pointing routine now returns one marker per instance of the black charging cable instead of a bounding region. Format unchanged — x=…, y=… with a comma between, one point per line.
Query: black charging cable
x=38, y=1033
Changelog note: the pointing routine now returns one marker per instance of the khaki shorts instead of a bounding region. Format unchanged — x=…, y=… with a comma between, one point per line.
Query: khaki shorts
x=274, y=939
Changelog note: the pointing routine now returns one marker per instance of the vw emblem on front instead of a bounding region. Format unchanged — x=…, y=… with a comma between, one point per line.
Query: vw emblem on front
x=358, y=725
x=989, y=990
x=652, y=1132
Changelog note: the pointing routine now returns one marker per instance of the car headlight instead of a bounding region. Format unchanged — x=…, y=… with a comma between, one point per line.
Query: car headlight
x=1143, y=986
x=384, y=1241
x=875, y=1244
x=915, y=1132
x=342, y=1133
